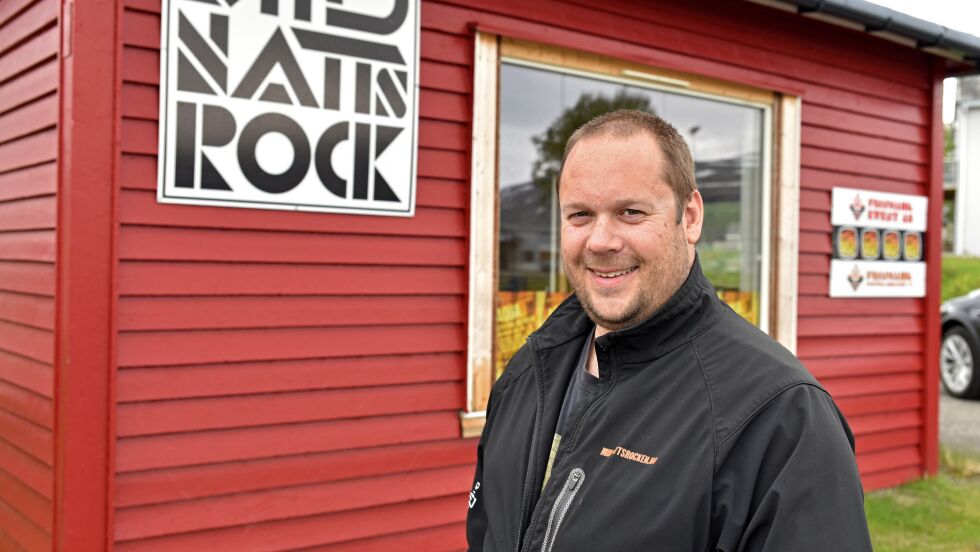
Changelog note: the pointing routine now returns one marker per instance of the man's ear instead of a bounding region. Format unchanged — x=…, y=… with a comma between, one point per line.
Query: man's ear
x=693, y=217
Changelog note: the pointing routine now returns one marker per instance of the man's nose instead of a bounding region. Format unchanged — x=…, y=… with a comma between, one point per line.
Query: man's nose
x=604, y=236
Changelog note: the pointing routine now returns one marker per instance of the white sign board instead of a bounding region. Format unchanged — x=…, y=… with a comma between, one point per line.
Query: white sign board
x=289, y=104
x=877, y=279
x=870, y=209
x=878, y=244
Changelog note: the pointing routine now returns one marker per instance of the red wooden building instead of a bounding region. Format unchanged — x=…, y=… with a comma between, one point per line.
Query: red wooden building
x=183, y=377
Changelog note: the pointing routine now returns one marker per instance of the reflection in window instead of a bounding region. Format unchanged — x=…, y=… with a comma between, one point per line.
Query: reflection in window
x=539, y=110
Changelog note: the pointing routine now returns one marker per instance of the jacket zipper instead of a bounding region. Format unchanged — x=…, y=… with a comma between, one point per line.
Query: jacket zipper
x=567, y=441
x=532, y=458
x=561, y=506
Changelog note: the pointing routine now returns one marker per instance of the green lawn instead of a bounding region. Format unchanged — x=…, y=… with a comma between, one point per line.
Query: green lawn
x=960, y=275
x=939, y=514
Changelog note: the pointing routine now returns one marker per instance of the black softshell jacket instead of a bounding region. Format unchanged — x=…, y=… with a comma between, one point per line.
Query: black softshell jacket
x=704, y=435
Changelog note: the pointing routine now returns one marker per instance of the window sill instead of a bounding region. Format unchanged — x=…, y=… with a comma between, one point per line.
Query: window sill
x=472, y=423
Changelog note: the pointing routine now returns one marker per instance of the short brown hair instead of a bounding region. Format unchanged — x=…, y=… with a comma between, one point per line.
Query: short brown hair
x=678, y=164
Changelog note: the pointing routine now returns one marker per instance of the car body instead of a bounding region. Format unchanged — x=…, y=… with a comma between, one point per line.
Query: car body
x=959, y=363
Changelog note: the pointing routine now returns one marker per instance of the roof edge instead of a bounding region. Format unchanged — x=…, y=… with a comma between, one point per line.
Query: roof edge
x=930, y=37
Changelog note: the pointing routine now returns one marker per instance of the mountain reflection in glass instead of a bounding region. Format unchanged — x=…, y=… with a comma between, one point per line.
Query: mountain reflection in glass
x=539, y=110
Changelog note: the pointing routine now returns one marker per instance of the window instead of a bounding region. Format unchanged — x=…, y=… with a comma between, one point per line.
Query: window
x=540, y=95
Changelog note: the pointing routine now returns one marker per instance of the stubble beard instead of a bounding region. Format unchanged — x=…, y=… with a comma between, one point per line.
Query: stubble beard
x=660, y=282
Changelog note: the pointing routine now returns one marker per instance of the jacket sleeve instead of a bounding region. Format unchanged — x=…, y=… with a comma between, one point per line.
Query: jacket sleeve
x=787, y=480
x=476, y=518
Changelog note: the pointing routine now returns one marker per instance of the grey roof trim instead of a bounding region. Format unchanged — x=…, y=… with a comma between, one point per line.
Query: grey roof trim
x=878, y=18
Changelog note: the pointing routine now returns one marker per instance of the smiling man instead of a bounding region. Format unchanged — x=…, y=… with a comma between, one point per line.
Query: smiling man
x=644, y=413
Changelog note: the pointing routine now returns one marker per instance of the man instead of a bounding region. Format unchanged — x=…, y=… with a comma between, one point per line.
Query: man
x=645, y=414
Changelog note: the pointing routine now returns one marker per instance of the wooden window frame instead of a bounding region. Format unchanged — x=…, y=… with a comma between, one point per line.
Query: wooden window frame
x=781, y=149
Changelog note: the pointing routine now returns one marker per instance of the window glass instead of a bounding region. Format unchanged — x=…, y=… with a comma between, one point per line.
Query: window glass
x=539, y=110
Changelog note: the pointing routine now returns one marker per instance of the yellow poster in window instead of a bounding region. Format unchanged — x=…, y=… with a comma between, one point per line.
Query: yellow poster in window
x=518, y=314
x=745, y=303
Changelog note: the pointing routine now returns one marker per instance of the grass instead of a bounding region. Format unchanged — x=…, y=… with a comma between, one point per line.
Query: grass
x=961, y=275
x=940, y=514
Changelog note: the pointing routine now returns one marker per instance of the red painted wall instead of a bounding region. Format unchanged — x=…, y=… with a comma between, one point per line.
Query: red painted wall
x=293, y=379
x=28, y=183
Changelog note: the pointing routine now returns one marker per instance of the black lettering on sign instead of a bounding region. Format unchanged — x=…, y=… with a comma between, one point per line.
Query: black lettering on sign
x=324, y=151
x=363, y=89
x=368, y=24
x=186, y=146
x=218, y=130
x=391, y=93
x=384, y=137
x=259, y=127
x=362, y=156
x=276, y=53
x=353, y=47
x=205, y=55
x=331, y=83
x=303, y=11
x=219, y=31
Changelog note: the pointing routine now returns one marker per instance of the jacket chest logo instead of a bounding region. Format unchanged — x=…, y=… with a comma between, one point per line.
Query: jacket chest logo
x=628, y=455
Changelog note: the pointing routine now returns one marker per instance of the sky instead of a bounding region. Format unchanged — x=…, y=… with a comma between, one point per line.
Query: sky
x=962, y=15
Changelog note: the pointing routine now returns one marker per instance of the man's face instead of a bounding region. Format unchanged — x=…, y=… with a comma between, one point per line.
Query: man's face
x=621, y=246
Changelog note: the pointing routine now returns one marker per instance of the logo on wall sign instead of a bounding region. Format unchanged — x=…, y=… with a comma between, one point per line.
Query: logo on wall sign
x=290, y=104
x=857, y=207
x=855, y=278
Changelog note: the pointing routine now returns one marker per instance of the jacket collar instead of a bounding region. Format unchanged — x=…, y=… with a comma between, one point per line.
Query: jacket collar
x=693, y=308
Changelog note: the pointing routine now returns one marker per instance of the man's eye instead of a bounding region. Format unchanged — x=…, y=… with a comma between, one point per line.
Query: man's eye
x=578, y=215
x=632, y=212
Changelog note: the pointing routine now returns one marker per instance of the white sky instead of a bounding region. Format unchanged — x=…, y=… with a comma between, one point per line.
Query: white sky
x=962, y=15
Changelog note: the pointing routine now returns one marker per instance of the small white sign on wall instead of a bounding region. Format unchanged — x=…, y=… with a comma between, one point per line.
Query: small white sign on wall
x=289, y=104
x=879, y=240
x=866, y=208
x=877, y=279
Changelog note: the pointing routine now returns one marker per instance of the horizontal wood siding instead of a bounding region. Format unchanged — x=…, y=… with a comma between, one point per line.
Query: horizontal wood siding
x=292, y=380
x=28, y=208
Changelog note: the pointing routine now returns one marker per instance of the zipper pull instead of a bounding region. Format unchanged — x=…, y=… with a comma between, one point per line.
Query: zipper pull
x=560, y=507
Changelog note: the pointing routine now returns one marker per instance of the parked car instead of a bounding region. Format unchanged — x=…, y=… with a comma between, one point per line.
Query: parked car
x=959, y=364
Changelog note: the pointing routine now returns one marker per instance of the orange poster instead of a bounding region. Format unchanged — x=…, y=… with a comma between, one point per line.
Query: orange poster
x=518, y=314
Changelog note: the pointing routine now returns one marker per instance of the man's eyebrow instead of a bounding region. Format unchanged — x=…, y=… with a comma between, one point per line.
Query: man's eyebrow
x=632, y=201
x=578, y=206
